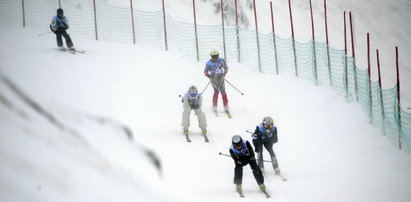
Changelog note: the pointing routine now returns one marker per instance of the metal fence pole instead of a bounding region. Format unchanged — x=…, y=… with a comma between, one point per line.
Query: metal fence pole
x=399, y=98
x=132, y=21
x=165, y=25
x=313, y=38
x=222, y=24
x=345, y=58
x=256, y=35
x=293, y=38
x=381, y=96
x=24, y=13
x=369, y=75
x=237, y=31
x=353, y=56
x=95, y=18
x=328, y=44
x=195, y=29
x=275, y=45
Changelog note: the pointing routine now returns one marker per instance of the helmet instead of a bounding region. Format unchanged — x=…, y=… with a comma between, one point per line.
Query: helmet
x=236, y=140
x=214, y=54
x=192, y=91
x=268, y=122
x=60, y=11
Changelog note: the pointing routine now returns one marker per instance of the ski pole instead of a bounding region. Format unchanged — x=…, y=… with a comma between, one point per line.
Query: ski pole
x=206, y=87
x=249, y=132
x=42, y=34
x=230, y=156
x=234, y=87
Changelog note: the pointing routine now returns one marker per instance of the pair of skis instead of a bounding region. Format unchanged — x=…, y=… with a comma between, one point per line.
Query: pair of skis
x=75, y=51
x=226, y=112
x=189, y=140
x=267, y=195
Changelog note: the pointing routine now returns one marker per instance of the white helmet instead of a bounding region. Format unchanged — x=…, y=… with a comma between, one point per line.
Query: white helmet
x=214, y=54
x=192, y=91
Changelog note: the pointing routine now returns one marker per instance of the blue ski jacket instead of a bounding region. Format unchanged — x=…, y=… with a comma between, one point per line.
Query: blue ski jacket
x=59, y=24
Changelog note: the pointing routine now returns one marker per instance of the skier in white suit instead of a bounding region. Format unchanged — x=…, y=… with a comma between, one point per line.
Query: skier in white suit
x=193, y=100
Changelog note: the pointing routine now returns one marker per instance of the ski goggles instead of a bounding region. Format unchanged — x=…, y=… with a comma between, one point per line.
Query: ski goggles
x=268, y=126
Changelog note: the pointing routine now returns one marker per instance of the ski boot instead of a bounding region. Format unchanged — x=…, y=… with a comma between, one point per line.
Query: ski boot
x=204, y=131
x=239, y=188
x=277, y=171
x=275, y=165
x=226, y=109
x=262, y=187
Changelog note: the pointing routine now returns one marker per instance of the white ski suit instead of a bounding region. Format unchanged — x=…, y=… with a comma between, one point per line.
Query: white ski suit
x=193, y=103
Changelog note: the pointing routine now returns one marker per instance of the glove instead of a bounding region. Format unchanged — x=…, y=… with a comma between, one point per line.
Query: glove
x=207, y=75
x=65, y=26
x=225, y=72
x=195, y=106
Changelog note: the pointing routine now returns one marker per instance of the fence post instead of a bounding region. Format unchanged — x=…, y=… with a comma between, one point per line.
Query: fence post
x=132, y=21
x=59, y=4
x=353, y=56
x=292, y=37
x=222, y=24
x=24, y=13
x=237, y=31
x=256, y=35
x=381, y=96
x=345, y=58
x=165, y=27
x=369, y=75
x=195, y=29
x=95, y=18
x=327, y=42
x=313, y=38
x=398, y=97
x=273, y=30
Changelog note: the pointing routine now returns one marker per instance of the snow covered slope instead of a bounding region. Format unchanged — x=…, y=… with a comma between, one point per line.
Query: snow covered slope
x=326, y=148
x=388, y=23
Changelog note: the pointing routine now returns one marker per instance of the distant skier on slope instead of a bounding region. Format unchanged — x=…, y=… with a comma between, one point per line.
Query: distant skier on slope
x=193, y=100
x=216, y=69
x=266, y=135
x=243, y=154
x=59, y=25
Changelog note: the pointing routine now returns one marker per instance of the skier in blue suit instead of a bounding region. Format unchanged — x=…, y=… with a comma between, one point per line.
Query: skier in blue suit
x=59, y=25
x=266, y=135
x=243, y=154
x=216, y=69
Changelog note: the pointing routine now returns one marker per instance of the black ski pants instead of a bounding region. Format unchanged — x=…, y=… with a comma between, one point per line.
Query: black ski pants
x=268, y=145
x=59, y=35
x=238, y=173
